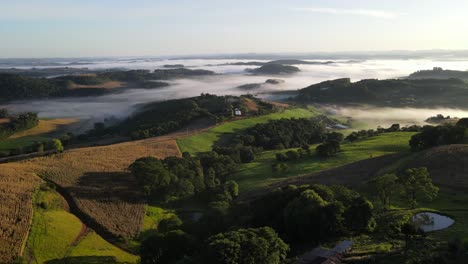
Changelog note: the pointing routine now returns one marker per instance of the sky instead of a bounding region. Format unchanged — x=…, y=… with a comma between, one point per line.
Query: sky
x=90, y=28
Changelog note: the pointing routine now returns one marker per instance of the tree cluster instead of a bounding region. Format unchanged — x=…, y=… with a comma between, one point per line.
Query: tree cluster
x=312, y=213
x=16, y=124
x=431, y=136
x=179, y=178
x=284, y=133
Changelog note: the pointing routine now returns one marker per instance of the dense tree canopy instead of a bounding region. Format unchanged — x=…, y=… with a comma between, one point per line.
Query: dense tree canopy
x=246, y=246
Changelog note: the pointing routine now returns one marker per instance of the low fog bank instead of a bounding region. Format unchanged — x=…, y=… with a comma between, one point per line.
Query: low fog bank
x=372, y=117
x=231, y=76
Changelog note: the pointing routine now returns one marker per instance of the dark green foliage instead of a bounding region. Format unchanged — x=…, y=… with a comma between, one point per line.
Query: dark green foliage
x=310, y=218
x=384, y=187
x=18, y=87
x=334, y=136
x=328, y=149
x=169, y=224
x=439, y=73
x=417, y=184
x=394, y=92
x=312, y=213
x=160, y=118
x=439, y=135
x=358, y=215
x=154, y=84
x=284, y=133
x=178, y=178
x=3, y=113
x=143, y=75
x=463, y=122
x=17, y=124
x=245, y=246
x=167, y=247
x=274, y=68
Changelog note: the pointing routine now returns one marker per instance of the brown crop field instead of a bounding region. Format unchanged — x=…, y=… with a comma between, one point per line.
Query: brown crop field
x=46, y=126
x=106, y=85
x=95, y=179
x=16, y=190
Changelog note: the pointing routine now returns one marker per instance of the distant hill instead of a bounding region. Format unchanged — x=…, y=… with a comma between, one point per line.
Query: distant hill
x=16, y=87
x=393, y=92
x=283, y=62
x=274, y=69
x=439, y=73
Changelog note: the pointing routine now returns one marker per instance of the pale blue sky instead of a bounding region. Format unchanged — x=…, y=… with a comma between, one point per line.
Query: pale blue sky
x=66, y=28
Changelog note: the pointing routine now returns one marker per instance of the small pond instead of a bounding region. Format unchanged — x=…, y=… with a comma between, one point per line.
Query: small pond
x=428, y=221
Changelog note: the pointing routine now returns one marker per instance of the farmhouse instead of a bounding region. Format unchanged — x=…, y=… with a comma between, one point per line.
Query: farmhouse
x=326, y=256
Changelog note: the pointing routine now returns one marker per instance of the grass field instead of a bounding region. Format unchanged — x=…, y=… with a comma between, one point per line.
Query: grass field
x=259, y=173
x=203, y=141
x=43, y=132
x=56, y=234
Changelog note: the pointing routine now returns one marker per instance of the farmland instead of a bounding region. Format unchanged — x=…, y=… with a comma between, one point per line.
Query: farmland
x=43, y=132
x=257, y=174
x=95, y=178
x=203, y=141
x=56, y=233
x=16, y=191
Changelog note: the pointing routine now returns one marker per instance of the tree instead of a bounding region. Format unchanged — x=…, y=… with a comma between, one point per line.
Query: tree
x=416, y=184
x=328, y=149
x=359, y=216
x=334, y=136
x=166, y=248
x=247, y=155
x=169, y=224
x=151, y=174
x=305, y=218
x=232, y=188
x=245, y=246
x=57, y=145
x=384, y=187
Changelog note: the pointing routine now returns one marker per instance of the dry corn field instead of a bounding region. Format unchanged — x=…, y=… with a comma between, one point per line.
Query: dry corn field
x=16, y=189
x=97, y=180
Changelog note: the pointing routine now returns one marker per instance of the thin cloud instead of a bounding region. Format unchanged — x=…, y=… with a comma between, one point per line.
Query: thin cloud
x=357, y=12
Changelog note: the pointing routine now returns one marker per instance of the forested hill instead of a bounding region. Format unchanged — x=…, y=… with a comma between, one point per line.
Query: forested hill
x=439, y=73
x=393, y=92
x=16, y=87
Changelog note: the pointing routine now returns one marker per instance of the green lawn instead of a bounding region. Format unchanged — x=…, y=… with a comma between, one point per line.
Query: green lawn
x=94, y=245
x=54, y=234
x=15, y=143
x=203, y=141
x=259, y=173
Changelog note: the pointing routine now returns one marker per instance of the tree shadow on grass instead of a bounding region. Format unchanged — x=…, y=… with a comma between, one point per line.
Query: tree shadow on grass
x=83, y=260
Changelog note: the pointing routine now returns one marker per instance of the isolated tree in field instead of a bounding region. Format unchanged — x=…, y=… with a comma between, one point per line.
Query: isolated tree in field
x=57, y=145
x=246, y=246
x=384, y=187
x=328, y=149
x=416, y=183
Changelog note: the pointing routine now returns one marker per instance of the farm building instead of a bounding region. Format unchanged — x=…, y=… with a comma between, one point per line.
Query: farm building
x=326, y=256
x=237, y=112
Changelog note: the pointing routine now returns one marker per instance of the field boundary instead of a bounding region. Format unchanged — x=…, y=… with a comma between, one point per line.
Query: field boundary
x=88, y=221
